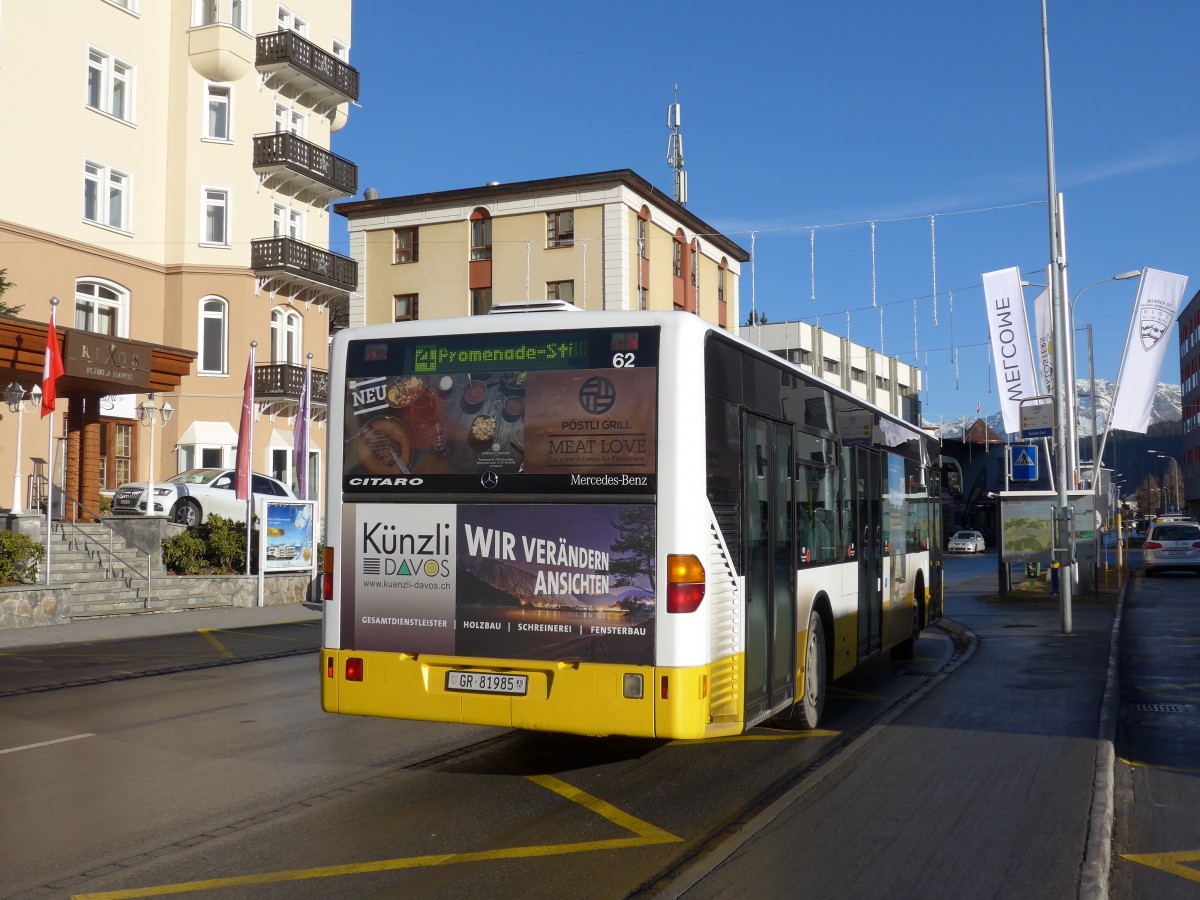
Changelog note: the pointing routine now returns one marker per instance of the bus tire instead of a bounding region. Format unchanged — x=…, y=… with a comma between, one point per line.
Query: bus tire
x=812, y=702
x=907, y=648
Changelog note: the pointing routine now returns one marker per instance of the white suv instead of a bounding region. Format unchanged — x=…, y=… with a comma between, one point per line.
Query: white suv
x=1171, y=545
x=190, y=497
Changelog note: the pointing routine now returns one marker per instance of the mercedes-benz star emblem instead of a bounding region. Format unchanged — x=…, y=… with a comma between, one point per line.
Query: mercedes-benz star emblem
x=489, y=479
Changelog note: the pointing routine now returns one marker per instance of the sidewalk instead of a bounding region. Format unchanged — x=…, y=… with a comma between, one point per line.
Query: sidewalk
x=982, y=788
x=183, y=621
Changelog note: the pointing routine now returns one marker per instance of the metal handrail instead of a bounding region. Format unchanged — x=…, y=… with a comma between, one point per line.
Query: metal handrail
x=76, y=506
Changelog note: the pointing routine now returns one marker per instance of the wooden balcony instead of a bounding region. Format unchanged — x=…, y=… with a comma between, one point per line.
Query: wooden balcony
x=302, y=71
x=286, y=265
x=277, y=384
x=291, y=165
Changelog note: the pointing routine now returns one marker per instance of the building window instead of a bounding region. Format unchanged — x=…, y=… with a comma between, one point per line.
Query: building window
x=832, y=366
x=285, y=336
x=110, y=85
x=130, y=5
x=859, y=375
x=289, y=21
x=116, y=454
x=406, y=307
x=341, y=51
x=289, y=120
x=643, y=298
x=214, y=336
x=198, y=456
x=241, y=15
x=216, y=113
x=216, y=217
x=288, y=222
x=405, y=248
x=481, y=301
x=721, y=284
x=561, y=290
x=643, y=229
x=204, y=12
x=677, y=258
x=481, y=237
x=882, y=383
x=105, y=196
x=102, y=308
x=560, y=228
x=695, y=263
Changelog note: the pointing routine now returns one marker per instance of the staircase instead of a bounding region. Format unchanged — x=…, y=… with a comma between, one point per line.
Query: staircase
x=108, y=577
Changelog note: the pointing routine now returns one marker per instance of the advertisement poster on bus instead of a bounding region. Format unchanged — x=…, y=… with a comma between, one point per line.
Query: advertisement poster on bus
x=548, y=430
x=287, y=535
x=503, y=581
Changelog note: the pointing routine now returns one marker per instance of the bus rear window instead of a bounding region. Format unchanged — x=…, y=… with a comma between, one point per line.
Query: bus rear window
x=547, y=412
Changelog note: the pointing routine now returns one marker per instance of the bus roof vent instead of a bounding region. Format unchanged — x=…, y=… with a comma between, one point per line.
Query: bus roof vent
x=526, y=306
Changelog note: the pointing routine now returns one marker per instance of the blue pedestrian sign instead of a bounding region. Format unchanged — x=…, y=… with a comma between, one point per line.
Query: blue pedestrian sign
x=1024, y=462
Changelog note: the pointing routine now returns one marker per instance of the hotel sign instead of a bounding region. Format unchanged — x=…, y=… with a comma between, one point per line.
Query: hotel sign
x=98, y=357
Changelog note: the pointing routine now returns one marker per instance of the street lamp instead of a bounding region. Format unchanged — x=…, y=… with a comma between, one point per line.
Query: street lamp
x=14, y=396
x=148, y=414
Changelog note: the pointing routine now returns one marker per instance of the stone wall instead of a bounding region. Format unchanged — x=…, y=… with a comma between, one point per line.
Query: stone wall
x=24, y=606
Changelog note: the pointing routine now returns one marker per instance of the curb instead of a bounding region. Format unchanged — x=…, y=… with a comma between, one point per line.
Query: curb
x=1097, y=858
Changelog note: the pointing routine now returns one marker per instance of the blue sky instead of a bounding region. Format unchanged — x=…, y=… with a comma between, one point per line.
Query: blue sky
x=803, y=122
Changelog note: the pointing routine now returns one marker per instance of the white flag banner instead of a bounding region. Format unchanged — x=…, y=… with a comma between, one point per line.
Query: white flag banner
x=1154, y=313
x=1009, y=330
x=1043, y=321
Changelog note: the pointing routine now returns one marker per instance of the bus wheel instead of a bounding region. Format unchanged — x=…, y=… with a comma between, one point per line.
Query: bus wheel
x=907, y=648
x=808, y=710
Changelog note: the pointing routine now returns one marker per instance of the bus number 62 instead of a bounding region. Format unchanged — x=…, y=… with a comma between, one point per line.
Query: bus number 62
x=623, y=361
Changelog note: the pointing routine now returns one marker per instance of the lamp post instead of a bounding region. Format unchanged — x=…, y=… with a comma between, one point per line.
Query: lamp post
x=149, y=414
x=14, y=396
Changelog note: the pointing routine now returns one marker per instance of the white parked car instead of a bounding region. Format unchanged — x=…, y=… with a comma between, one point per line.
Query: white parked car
x=190, y=497
x=1172, y=545
x=965, y=542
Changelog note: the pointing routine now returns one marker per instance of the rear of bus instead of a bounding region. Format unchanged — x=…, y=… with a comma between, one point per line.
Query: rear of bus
x=493, y=532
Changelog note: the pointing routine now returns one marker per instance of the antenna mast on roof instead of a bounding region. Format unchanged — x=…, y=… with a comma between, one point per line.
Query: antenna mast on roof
x=675, y=150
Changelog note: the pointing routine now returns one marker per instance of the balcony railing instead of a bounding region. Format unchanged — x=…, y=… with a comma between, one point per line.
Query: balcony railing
x=304, y=262
x=287, y=48
x=284, y=381
x=290, y=153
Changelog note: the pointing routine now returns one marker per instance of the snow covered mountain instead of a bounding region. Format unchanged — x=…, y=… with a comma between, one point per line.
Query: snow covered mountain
x=1168, y=407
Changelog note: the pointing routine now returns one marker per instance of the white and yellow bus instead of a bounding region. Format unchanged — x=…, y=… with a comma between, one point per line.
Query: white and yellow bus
x=611, y=523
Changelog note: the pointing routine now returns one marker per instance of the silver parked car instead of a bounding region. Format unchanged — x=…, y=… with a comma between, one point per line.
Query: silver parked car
x=190, y=497
x=1171, y=545
x=965, y=542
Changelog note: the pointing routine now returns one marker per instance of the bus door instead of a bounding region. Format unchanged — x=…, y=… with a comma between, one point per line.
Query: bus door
x=770, y=568
x=866, y=510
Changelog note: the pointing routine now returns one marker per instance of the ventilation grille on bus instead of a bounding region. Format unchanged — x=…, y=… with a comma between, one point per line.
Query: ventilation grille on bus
x=524, y=306
x=725, y=612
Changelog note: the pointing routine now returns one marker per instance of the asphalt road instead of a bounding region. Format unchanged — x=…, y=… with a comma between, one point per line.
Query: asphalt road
x=230, y=781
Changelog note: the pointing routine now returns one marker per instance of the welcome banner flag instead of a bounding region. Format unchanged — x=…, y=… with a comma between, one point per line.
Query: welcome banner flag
x=1044, y=323
x=1009, y=330
x=1154, y=313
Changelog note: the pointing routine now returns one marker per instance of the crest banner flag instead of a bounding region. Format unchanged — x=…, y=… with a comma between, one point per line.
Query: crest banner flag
x=1154, y=313
x=1009, y=330
x=1043, y=322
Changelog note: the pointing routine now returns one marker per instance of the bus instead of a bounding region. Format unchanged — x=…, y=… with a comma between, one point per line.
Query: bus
x=611, y=523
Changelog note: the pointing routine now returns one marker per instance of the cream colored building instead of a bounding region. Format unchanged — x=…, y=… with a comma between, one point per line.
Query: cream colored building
x=167, y=177
x=866, y=373
x=608, y=240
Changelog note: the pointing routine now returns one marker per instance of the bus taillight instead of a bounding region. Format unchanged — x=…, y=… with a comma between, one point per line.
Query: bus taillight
x=354, y=669
x=327, y=574
x=685, y=583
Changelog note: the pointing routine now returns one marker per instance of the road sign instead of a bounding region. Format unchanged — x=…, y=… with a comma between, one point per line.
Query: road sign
x=1024, y=462
x=1037, y=418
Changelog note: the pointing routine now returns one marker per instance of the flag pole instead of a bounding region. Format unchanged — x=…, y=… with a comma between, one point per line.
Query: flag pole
x=51, y=370
x=250, y=464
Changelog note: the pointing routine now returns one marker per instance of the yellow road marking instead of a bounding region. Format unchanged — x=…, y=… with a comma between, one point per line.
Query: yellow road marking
x=206, y=633
x=264, y=637
x=1169, y=862
x=1145, y=765
x=773, y=736
x=647, y=835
